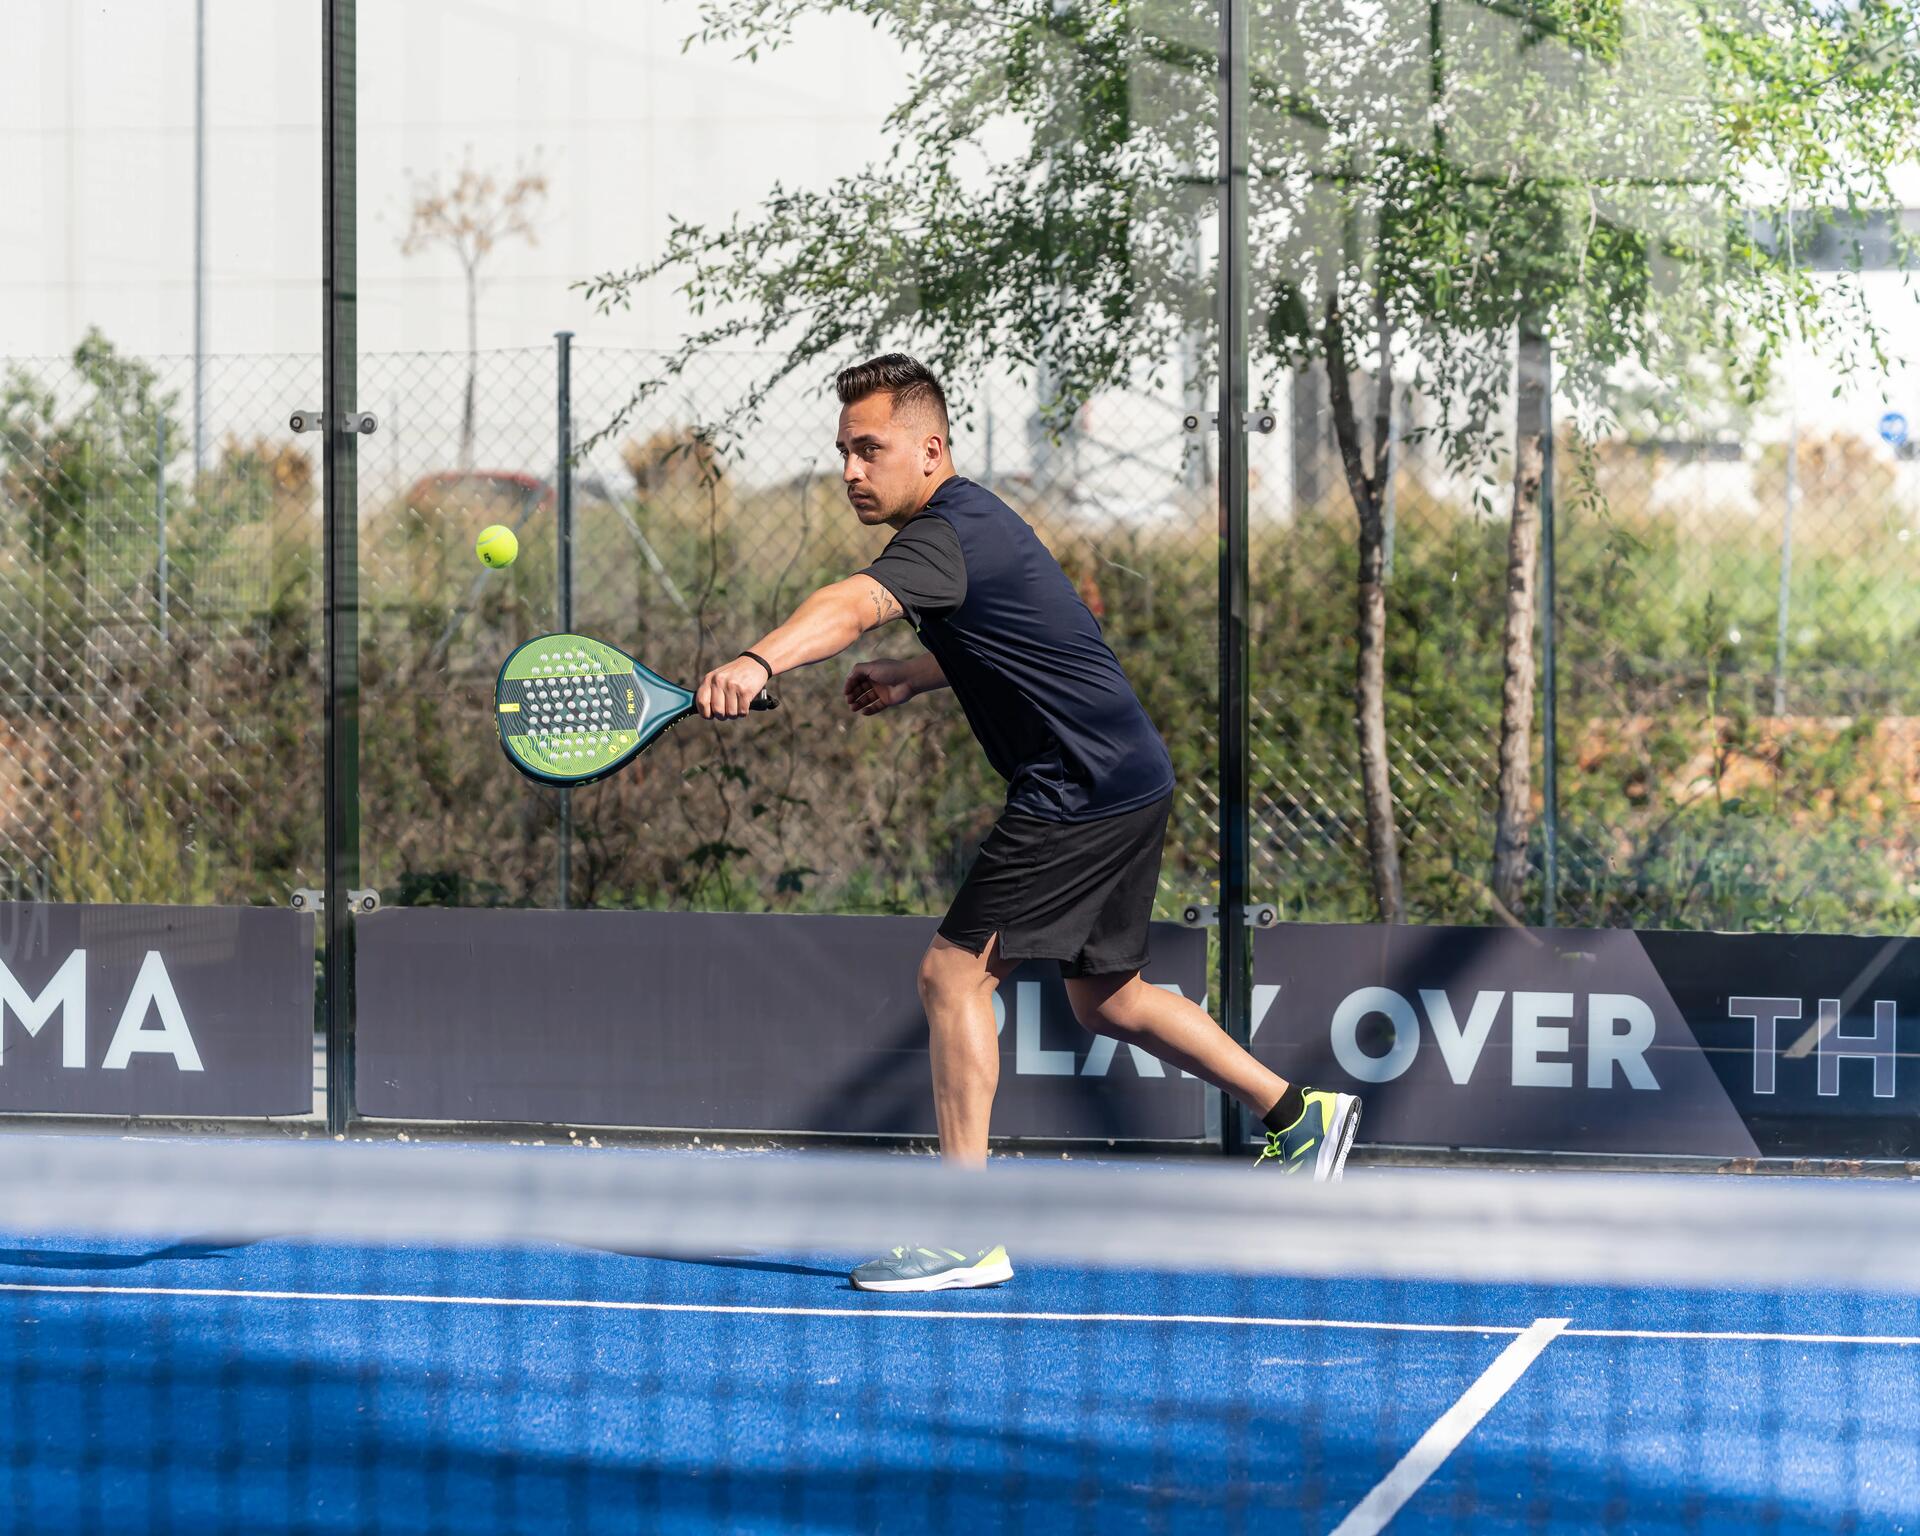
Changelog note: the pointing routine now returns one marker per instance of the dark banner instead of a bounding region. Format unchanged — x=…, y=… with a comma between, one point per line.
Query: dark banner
x=722, y=1021
x=160, y=1011
x=1731, y=1045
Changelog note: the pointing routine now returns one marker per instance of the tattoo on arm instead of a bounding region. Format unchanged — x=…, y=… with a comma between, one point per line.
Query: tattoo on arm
x=884, y=604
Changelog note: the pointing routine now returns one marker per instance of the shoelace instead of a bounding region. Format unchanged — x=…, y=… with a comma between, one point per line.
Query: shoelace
x=1272, y=1149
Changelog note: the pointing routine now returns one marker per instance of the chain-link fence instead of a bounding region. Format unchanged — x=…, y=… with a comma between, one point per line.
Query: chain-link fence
x=687, y=547
x=1734, y=749
x=162, y=660
x=1735, y=741
x=160, y=692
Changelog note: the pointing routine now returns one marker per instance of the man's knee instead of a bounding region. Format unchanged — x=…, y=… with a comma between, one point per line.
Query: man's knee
x=1101, y=1007
x=950, y=976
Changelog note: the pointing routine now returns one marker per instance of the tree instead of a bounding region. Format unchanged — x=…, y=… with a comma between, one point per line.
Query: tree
x=82, y=472
x=1432, y=179
x=470, y=217
x=1640, y=137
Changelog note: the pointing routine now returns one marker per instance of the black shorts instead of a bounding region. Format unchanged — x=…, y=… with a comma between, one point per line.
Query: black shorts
x=1080, y=892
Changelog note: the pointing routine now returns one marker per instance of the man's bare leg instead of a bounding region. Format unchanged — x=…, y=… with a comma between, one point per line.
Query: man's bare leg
x=956, y=989
x=1309, y=1131
x=1177, y=1031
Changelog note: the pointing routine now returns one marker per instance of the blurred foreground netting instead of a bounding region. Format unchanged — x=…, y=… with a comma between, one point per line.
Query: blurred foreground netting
x=287, y=1337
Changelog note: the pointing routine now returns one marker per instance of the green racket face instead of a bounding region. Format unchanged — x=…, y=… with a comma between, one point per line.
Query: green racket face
x=572, y=709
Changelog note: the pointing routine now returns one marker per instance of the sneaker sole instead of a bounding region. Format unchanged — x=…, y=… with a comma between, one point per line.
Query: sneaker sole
x=973, y=1278
x=1332, y=1163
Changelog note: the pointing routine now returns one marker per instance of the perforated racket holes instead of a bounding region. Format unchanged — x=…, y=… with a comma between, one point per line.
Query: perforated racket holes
x=570, y=708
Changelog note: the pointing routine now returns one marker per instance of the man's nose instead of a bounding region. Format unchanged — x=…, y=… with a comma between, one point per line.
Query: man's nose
x=850, y=470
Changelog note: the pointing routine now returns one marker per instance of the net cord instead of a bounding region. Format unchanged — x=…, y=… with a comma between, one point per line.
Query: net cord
x=1495, y=1227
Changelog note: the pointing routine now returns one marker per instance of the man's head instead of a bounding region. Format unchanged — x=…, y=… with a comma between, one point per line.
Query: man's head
x=893, y=437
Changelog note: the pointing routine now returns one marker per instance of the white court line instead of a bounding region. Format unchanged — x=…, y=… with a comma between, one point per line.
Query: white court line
x=881, y=1310
x=1715, y=1337
x=1383, y=1502
x=589, y=1304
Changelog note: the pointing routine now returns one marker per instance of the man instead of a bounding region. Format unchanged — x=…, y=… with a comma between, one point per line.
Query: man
x=1069, y=872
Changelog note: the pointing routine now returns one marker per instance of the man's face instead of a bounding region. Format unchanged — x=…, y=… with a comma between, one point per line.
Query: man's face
x=885, y=459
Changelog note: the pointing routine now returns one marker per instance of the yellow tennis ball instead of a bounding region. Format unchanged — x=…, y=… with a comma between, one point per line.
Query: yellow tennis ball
x=497, y=546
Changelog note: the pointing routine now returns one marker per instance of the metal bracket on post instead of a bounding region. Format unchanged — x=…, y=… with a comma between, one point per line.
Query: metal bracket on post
x=306, y=899
x=1255, y=914
x=316, y=421
x=1262, y=422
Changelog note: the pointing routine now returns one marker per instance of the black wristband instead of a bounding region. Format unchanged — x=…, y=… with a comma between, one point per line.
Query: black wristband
x=752, y=656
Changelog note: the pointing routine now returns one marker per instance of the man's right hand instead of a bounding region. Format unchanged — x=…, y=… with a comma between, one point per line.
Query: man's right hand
x=876, y=685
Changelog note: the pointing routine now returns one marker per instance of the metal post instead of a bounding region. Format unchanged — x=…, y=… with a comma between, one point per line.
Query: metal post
x=1785, y=601
x=339, y=459
x=563, y=522
x=1193, y=368
x=199, y=236
x=1549, y=658
x=1389, y=498
x=1040, y=441
x=160, y=522
x=1236, y=947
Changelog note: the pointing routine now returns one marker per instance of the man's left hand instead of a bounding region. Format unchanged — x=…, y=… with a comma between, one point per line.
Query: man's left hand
x=728, y=692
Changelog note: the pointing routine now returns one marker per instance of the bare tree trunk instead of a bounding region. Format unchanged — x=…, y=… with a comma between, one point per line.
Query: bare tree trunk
x=473, y=367
x=1368, y=489
x=1513, y=816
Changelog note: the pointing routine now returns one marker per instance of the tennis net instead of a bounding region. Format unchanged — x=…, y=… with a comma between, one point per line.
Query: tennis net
x=257, y=1337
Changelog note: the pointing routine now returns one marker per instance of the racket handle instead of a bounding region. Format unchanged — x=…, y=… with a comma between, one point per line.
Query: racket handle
x=765, y=701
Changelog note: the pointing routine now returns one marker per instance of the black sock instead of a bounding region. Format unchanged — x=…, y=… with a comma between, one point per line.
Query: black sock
x=1292, y=1105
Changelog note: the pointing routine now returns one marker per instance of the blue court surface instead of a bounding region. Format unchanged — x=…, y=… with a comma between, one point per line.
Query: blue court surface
x=199, y=1386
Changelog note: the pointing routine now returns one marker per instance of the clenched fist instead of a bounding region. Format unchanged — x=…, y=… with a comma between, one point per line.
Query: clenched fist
x=728, y=692
x=876, y=685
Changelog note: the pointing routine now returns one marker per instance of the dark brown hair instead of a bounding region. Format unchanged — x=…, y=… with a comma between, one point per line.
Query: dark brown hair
x=906, y=382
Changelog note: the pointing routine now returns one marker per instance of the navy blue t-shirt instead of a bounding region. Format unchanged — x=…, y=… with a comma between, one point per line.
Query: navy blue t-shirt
x=1040, y=687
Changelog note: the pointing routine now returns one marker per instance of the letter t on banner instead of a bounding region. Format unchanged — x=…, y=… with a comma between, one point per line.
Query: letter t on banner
x=1766, y=1013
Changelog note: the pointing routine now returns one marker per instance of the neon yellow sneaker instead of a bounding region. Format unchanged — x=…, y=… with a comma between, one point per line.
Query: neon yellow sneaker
x=1318, y=1142
x=933, y=1269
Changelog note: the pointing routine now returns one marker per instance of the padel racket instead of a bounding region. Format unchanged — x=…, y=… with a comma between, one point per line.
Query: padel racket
x=572, y=710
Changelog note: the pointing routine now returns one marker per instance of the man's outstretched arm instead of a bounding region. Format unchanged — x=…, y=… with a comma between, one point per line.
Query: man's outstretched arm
x=824, y=625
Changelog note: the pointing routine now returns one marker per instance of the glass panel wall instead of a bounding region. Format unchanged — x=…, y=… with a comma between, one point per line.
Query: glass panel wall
x=158, y=520
x=1578, y=443
x=609, y=269
x=723, y=216
x=161, y=694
